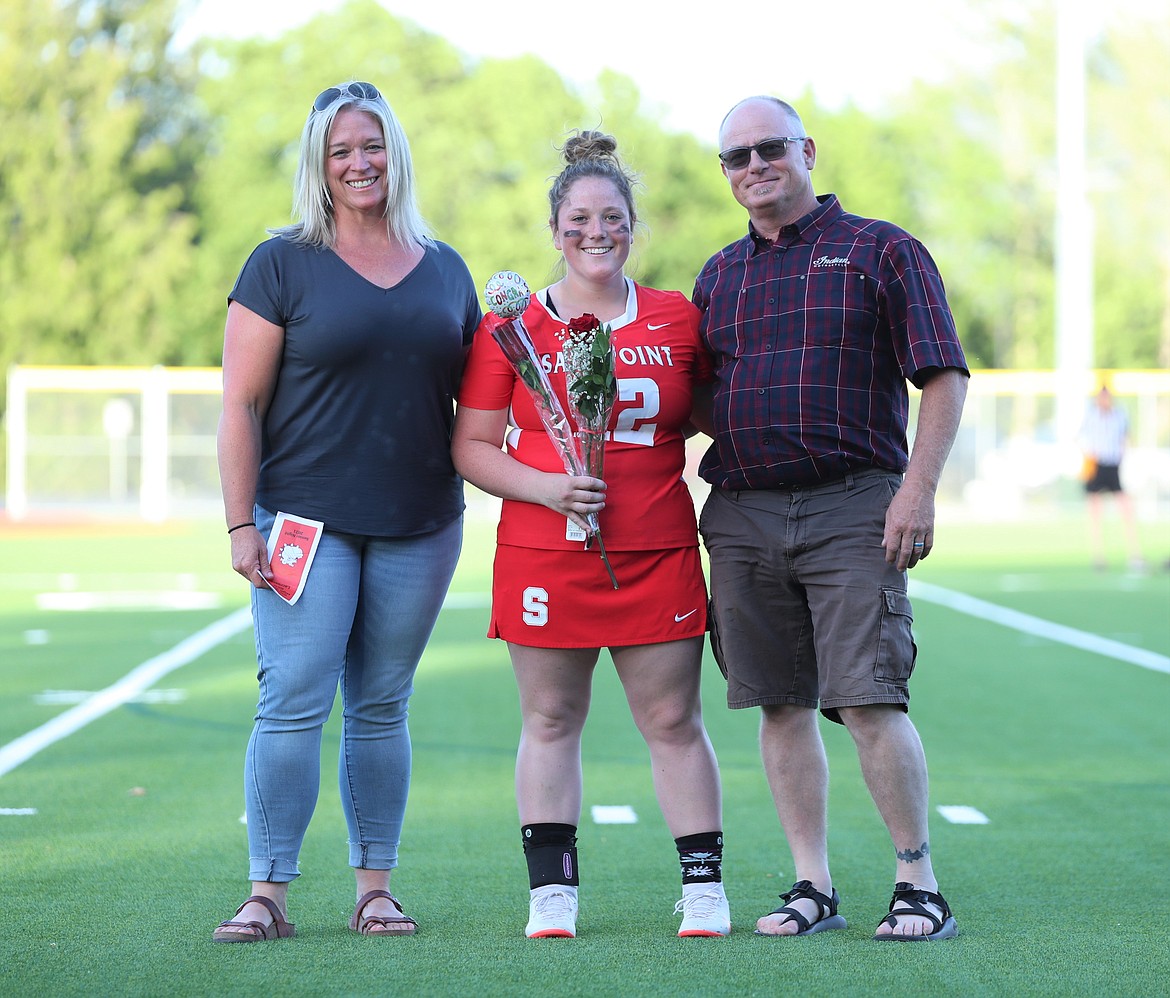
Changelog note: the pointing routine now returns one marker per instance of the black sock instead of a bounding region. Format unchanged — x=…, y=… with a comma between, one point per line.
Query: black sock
x=701, y=857
x=551, y=852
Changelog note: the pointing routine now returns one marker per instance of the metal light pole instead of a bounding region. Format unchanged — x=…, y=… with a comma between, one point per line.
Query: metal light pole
x=1074, y=226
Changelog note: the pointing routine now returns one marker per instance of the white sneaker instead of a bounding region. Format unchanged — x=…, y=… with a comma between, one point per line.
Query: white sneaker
x=704, y=911
x=552, y=912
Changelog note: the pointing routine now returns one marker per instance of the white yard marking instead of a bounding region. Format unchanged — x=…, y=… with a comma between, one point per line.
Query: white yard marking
x=963, y=814
x=129, y=600
x=133, y=685
x=125, y=689
x=17, y=810
x=1039, y=627
x=467, y=601
x=613, y=814
x=79, y=696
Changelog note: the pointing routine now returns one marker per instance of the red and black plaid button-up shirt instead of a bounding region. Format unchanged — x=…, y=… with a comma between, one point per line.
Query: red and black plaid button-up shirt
x=813, y=338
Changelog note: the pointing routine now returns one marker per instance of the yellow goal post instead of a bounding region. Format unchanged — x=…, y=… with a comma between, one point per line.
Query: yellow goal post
x=140, y=442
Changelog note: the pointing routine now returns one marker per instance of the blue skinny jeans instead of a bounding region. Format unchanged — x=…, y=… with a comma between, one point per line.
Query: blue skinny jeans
x=362, y=623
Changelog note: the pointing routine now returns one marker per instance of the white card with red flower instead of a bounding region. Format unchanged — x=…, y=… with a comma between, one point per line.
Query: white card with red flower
x=291, y=547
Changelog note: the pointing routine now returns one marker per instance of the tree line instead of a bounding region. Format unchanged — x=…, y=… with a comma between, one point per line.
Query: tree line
x=135, y=178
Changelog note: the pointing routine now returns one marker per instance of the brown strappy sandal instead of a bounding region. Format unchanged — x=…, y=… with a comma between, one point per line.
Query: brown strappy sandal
x=383, y=925
x=278, y=929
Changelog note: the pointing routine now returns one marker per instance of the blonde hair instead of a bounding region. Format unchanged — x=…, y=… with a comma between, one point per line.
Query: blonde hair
x=312, y=204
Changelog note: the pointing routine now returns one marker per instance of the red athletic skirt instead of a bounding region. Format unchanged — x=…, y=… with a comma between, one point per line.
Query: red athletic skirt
x=564, y=599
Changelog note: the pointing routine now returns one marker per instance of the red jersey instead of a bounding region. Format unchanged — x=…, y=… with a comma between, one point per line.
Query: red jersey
x=659, y=360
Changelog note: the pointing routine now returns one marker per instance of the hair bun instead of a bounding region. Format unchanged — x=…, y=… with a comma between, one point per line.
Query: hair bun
x=590, y=145
x=591, y=154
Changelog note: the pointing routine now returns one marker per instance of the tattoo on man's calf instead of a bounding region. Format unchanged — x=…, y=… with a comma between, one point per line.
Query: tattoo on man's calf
x=913, y=855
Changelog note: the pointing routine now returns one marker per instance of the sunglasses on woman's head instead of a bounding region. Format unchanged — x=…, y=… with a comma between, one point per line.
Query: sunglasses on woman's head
x=362, y=91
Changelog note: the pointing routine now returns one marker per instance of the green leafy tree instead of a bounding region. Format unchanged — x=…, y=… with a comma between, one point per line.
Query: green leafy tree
x=1130, y=154
x=982, y=152
x=685, y=206
x=485, y=137
x=93, y=158
x=482, y=139
x=135, y=180
x=485, y=170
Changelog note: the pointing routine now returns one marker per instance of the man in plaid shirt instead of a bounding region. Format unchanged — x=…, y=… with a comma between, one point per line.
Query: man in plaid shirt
x=816, y=319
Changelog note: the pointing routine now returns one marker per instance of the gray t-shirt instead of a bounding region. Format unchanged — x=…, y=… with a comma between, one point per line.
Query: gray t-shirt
x=358, y=433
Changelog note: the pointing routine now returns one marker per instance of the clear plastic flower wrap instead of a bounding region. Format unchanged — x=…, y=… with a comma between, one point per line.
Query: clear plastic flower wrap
x=582, y=450
x=591, y=386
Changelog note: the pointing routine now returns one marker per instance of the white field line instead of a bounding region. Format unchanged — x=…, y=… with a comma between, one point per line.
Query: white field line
x=130, y=600
x=135, y=682
x=150, y=671
x=963, y=814
x=125, y=689
x=1039, y=627
x=613, y=814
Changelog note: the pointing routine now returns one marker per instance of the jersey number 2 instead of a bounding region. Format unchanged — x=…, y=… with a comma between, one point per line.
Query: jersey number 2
x=629, y=389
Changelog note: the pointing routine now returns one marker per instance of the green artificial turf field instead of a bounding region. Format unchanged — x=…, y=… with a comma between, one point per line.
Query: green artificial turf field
x=121, y=844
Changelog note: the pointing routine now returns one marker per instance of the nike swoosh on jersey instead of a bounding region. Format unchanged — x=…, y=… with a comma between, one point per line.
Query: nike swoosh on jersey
x=652, y=326
x=679, y=618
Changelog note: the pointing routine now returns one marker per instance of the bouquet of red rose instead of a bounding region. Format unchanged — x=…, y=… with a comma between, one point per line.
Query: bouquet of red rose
x=507, y=296
x=591, y=384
